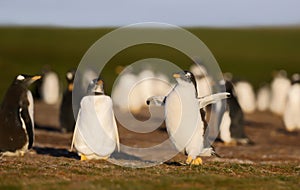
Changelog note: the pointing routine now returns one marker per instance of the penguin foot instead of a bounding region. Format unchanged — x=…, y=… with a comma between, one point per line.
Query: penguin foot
x=195, y=162
x=83, y=157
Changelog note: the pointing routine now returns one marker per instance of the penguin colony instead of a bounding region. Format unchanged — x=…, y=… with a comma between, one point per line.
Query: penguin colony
x=99, y=139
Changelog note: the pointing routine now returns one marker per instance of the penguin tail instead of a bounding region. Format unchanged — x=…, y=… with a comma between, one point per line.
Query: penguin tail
x=156, y=100
x=211, y=99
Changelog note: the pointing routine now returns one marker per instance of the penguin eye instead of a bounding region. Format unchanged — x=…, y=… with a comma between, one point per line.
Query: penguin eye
x=20, y=77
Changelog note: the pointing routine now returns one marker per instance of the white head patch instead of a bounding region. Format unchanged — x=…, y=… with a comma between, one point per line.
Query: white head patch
x=188, y=75
x=69, y=75
x=20, y=77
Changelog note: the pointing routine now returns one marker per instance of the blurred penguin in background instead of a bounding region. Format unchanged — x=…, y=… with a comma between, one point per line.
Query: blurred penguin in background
x=232, y=130
x=291, y=116
x=279, y=90
x=204, y=82
x=66, y=116
x=16, y=117
x=86, y=77
x=50, y=87
x=123, y=86
x=263, y=98
x=246, y=96
x=96, y=134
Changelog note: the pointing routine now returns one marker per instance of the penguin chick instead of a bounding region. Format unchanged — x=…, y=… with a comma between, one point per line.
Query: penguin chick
x=184, y=121
x=16, y=117
x=95, y=134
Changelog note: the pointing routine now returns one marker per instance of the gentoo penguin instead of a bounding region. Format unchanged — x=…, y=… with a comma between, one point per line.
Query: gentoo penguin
x=16, y=117
x=246, y=96
x=279, y=90
x=95, y=134
x=50, y=87
x=232, y=123
x=263, y=98
x=185, y=122
x=292, y=110
x=66, y=116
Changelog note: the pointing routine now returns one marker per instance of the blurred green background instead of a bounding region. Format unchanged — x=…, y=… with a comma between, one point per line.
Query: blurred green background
x=249, y=53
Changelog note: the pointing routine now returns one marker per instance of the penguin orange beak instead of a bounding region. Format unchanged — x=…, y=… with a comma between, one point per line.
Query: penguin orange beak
x=176, y=75
x=100, y=82
x=36, y=78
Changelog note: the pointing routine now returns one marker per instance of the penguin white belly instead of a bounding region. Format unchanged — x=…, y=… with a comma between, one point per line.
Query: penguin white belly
x=30, y=107
x=50, y=88
x=280, y=88
x=263, y=99
x=183, y=121
x=292, y=112
x=96, y=129
x=225, y=128
x=246, y=97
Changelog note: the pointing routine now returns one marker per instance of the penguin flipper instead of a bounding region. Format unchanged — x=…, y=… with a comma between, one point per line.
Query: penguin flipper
x=156, y=100
x=211, y=99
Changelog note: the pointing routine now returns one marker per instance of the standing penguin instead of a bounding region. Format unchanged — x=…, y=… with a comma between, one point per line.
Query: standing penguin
x=66, y=116
x=185, y=122
x=246, y=96
x=292, y=111
x=96, y=134
x=16, y=117
x=50, y=87
x=263, y=98
x=279, y=89
x=232, y=123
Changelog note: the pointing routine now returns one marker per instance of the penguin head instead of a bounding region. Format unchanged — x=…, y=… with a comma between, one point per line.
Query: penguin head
x=186, y=78
x=26, y=80
x=96, y=87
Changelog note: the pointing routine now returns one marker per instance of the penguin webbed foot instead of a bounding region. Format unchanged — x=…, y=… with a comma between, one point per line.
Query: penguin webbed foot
x=193, y=162
x=83, y=157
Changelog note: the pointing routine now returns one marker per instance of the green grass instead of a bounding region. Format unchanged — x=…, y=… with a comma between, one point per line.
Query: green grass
x=250, y=54
x=62, y=173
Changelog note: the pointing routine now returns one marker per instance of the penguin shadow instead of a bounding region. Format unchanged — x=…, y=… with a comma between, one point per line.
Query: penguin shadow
x=174, y=163
x=56, y=152
x=47, y=128
x=287, y=133
x=124, y=156
x=257, y=124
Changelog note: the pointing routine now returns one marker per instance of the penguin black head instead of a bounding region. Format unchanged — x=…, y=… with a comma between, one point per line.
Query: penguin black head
x=96, y=87
x=25, y=79
x=186, y=77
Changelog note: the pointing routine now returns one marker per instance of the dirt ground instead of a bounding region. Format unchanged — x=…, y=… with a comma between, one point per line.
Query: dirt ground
x=272, y=142
x=272, y=163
